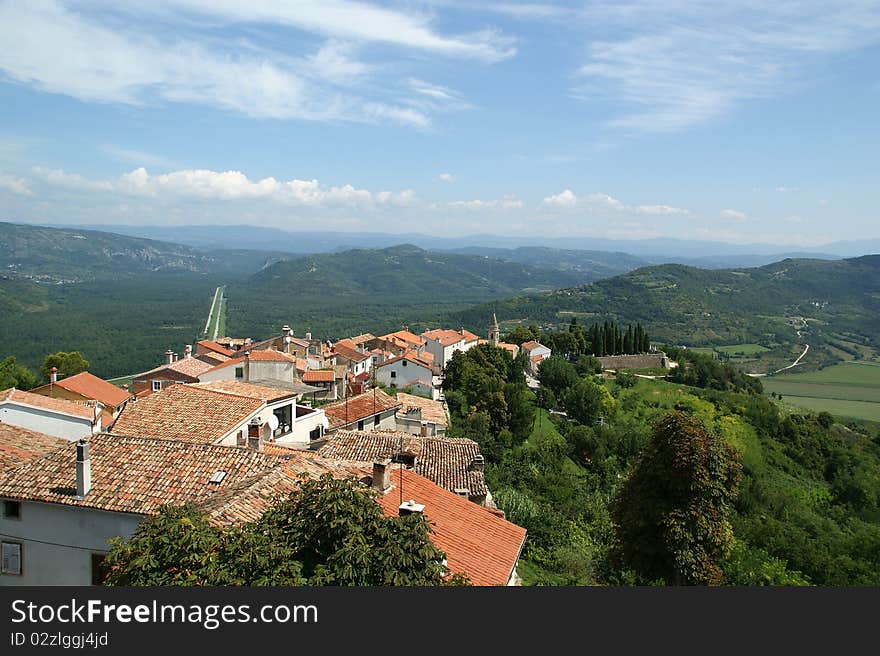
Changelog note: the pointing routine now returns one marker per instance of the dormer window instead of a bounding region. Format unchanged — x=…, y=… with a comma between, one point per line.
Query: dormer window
x=217, y=477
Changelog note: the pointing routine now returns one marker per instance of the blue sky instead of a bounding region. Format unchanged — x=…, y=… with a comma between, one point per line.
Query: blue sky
x=744, y=122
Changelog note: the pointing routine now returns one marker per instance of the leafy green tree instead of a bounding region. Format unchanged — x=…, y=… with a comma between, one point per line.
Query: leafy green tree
x=587, y=365
x=557, y=374
x=521, y=334
x=586, y=401
x=626, y=379
x=16, y=375
x=331, y=532
x=68, y=364
x=671, y=514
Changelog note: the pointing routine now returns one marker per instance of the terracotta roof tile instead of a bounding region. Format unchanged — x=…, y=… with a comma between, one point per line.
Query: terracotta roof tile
x=355, y=408
x=445, y=460
x=403, y=338
x=135, y=474
x=476, y=540
x=84, y=409
x=192, y=367
x=91, y=387
x=432, y=411
x=18, y=445
x=319, y=376
x=246, y=390
x=214, y=346
x=250, y=498
x=185, y=412
x=447, y=337
x=409, y=356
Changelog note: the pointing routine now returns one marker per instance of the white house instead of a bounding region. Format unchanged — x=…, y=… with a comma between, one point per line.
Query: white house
x=254, y=365
x=536, y=352
x=58, y=417
x=58, y=512
x=227, y=413
x=406, y=371
x=442, y=343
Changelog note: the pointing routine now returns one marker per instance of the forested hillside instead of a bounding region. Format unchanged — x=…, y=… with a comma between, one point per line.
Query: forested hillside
x=360, y=290
x=832, y=305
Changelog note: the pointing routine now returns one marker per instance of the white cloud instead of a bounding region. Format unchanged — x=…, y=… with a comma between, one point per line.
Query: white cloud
x=137, y=157
x=660, y=209
x=15, y=185
x=564, y=199
x=735, y=215
x=506, y=203
x=201, y=184
x=681, y=64
x=783, y=190
x=58, y=48
x=446, y=177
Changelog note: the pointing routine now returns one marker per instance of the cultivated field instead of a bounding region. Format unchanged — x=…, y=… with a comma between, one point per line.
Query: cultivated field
x=849, y=389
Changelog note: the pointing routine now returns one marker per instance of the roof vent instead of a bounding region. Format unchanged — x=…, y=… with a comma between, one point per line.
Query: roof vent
x=462, y=492
x=217, y=477
x=410, y=507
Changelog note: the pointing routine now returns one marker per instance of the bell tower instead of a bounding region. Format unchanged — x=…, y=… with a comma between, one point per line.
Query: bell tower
x=494, y=331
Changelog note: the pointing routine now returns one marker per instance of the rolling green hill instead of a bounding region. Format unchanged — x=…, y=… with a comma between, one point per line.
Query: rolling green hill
x=367, y=289
x=832, y=305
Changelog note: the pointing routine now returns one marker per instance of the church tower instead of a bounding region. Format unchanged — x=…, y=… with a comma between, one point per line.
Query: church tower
x=494, y=331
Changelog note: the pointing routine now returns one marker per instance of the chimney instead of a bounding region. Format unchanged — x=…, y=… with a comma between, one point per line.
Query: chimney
x=83, y=470
x=247, y=366
x=410, y=508
x=53, y=375
x=175, y=357
x=286, y=336
x=424, y=429
x=188, y=351
x=255, y=435
x=382, y=474
x=169, y=356
x=462, y=492
x=478, y=464
x=309, y=336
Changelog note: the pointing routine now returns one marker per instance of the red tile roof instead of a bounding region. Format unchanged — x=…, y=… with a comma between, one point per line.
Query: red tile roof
x=350, y=353
x=185, y=412
x=90, y=387
x=83, y=410
x=18, y=445
x=268, y=355
x=319, y=376
x=135, y=474
x=403, y=338
x=250, y=498
x=432, y=411
x=409, y=356
x=445, y=460
x=447, y=337
x=355, y=408
x=247, y=390
x=476, y=541
x=192, y=367
x=214, y=346
x=532, y=345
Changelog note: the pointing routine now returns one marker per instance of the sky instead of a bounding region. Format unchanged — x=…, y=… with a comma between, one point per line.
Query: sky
x=743, y=122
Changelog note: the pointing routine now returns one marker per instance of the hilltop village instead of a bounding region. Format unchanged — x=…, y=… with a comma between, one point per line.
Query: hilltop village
x=232, y=425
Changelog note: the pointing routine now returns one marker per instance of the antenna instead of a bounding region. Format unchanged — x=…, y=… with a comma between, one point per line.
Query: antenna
x=399, y=463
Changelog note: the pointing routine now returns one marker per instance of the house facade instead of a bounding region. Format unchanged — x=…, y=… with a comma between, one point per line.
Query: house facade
x=70, y=420
x=442, y=343
x=405, y=371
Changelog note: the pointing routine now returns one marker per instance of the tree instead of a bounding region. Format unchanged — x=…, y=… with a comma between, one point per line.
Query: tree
x=587, y=401
x=557, y=374
x=16, y=375
x=331, y=532
x=521, y=334
x=671, y=514
x=588, y=364
x=68, y=364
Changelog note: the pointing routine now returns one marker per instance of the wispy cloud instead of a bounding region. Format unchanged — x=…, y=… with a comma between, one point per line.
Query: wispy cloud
x=734, y=215
x=136, y=157
x=680, y=64
x=72, y=50
x=15, y=185
x=446, y=177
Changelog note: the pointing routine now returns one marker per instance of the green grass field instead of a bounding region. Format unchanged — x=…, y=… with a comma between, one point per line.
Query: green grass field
x=849, y=389
x=744, y=349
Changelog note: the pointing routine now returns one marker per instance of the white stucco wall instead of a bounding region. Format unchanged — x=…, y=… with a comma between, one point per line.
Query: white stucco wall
x=406, y=375
x=75, y=533
x=43, y=421
x=282, y=371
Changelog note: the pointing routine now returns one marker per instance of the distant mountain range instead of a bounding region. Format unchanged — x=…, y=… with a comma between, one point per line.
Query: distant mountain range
x=702, y=253
x=71, y=255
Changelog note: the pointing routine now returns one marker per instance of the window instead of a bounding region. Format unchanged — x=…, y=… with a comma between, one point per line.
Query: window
x=157, y=385
x=403, y=364
x=394, y=374
x=376, y=420
x=99, y=569
x=239, y=372
x=12, y=509
x=285, y=425
x=10, y=554
x=361, y=425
